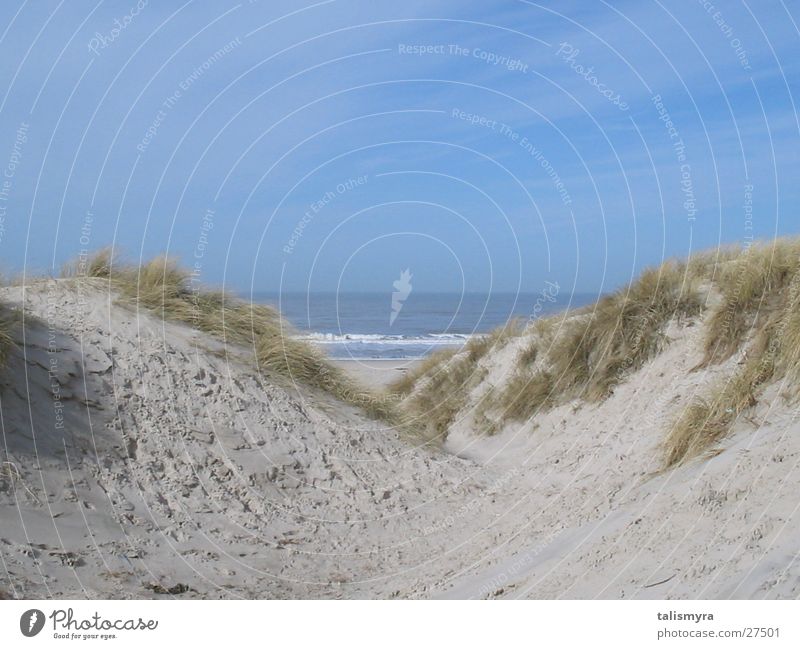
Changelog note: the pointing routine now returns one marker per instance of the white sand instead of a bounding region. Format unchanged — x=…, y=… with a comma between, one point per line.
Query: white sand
x=177, y=465
x=376, y=373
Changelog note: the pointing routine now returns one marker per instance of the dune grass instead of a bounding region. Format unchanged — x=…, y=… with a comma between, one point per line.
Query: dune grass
x=439, y=388
x=434, y=408
x=8, y=320
x=586, y=355
x=475, y=349
x=164, y=287
x=583, y=356
x=623, y=331
x=756, y=308
x=759, y=299
x=436, y=360
x=525, y=394
x=754, y=295
x=751, y=284
x=773, y=353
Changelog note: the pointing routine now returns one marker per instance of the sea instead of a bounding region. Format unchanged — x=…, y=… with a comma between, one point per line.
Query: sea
x=377, y=326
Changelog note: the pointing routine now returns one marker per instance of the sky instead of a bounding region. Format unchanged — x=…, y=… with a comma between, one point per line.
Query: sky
x=329, y=146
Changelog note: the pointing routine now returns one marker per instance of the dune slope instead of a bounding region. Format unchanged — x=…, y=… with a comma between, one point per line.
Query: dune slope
x=144, y=459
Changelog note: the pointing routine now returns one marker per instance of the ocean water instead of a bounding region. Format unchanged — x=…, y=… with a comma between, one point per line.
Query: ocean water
x=370, y=326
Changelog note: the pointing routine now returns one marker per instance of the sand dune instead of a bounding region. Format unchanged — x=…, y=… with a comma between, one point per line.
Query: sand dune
x=602, y=519
x=178, y=467
x=143, y=459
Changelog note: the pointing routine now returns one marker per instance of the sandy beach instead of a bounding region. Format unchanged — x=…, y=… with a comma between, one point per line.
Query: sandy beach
x=145, y=459
x=377, y=372
x=433, y=301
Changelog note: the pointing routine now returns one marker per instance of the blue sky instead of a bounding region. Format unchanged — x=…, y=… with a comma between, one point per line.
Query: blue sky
x=483, y=146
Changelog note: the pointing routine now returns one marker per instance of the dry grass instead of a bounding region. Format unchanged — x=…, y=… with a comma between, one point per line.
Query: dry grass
x=531, y=387
x=750, y=284
x=8, y=320
x=584, y=356
x=773, y=354
x=589, y=353
x=624, y=330
x=439, y=389
x=405, y=384
x=434, y=408
x=478, y=347
x=525, y=394
x=98, y=264
x=166, y=288
x=475, y=349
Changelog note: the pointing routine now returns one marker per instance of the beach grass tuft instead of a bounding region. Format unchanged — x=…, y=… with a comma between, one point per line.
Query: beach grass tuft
x=771, y=296
x=164, y=287
x=584, y=356
x=439, y=388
